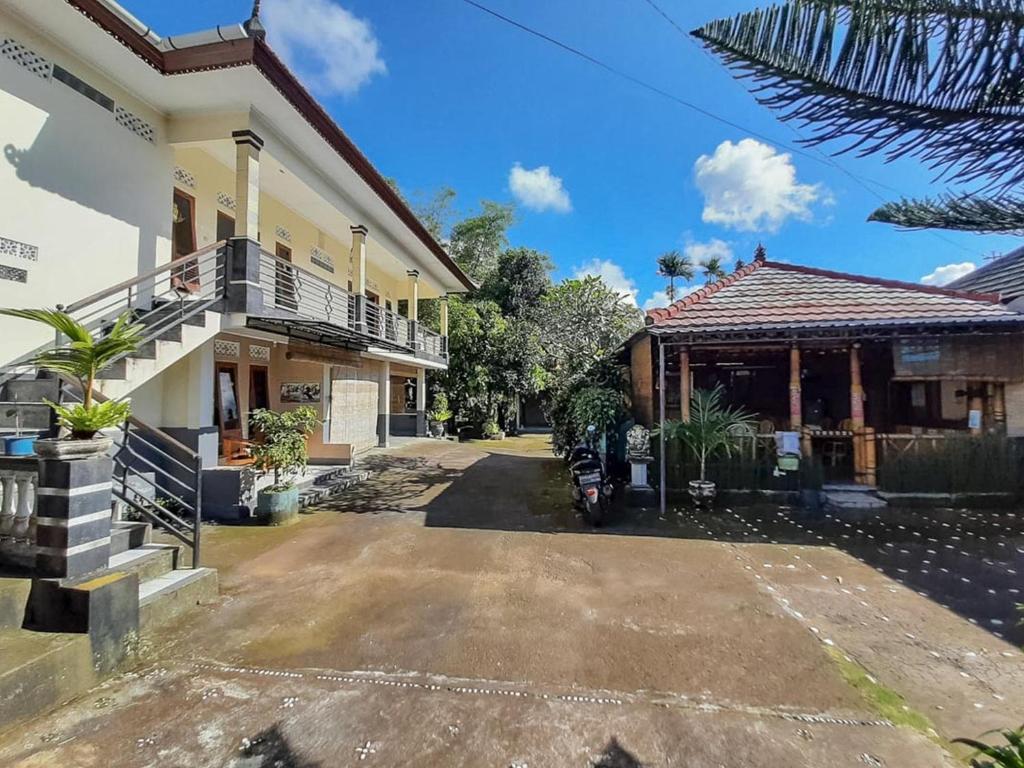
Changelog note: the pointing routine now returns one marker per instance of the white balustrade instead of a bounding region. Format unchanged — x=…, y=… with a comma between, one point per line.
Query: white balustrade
x=18, y=514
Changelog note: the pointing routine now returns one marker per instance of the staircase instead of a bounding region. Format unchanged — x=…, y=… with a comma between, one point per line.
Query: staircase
x=329, y=483
x=42, y=670
x=852, y=500
x=179, y=330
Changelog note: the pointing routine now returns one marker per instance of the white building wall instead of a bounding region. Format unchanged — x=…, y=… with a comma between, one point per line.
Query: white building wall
x=86, y=200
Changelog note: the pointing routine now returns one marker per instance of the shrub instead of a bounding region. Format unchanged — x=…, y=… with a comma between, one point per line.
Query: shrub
x=490, y=428
x=440, y=410
x=283, y=447
x=1010, y=755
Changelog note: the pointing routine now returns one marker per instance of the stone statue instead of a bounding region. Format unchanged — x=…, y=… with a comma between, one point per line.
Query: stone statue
x=638, y=443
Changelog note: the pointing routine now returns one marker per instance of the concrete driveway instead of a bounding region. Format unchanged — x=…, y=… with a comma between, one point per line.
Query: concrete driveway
x=452, y=611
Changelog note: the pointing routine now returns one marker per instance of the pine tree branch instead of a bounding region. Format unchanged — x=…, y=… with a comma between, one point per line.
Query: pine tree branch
x=965, y=213
x=941, y=80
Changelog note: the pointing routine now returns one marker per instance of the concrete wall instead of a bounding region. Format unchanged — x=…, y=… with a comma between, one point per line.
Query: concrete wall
x=89, y=195
x=642, y=377
x=355, y=394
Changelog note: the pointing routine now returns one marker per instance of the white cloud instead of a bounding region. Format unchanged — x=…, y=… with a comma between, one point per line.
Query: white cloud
x=658, y=299
x=948, y=273
x=750, y=186
x=332, y=50
x=713, y=248
x=538, y=189
x=612, y=275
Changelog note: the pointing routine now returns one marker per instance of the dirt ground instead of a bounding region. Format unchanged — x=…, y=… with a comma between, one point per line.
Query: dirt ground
x=453, y=611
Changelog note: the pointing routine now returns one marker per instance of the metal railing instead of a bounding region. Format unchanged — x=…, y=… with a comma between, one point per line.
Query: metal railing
x=291, y=289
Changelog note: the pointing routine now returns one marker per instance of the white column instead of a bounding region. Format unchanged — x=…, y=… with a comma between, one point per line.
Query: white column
x=421, y=402
x=444, y=315
x=247, y=183
x=359, y=259
x=413, y=293
x=384, y=405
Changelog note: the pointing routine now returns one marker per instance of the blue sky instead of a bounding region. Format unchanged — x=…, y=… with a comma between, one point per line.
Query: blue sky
x=438, y=93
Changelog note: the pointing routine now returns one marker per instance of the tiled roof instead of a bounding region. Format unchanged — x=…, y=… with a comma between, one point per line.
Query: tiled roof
x=1004, y=276
x=768, y=295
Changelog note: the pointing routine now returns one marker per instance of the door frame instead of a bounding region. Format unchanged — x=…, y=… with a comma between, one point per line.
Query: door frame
x=222, y=432
x=184, y=274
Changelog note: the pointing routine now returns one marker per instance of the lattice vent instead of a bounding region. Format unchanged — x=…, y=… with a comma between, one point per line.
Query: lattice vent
x=10, y=247
x=26, y=58
x=135, y=124
x=321, y=258
x=224, y=200
x=184, y=178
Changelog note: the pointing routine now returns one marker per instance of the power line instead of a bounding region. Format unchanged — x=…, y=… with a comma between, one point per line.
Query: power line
x=859, y=180
x=678, y=99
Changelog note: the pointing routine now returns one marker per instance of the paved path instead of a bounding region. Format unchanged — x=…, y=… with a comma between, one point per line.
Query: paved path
x=453, y=612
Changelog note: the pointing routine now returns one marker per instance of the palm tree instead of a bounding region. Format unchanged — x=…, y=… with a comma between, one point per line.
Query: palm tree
x=940, y=81
x=672, y=265
x=714, y=427
x=713, y=271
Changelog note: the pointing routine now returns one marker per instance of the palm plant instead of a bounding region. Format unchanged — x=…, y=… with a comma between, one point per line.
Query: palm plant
x=1011, y=755
x=82, y=359
x=713, y=270
x=672, y=265
x=714, y=427
x=941, y=81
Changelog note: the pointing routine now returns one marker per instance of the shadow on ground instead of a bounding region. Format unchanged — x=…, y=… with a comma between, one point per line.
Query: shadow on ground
x=969, y=561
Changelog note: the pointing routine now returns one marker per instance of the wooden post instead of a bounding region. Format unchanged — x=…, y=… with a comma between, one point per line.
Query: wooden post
x=857, y=416
x=999, y=406
x=685, y=392
x=870, y=457
x=796, y=416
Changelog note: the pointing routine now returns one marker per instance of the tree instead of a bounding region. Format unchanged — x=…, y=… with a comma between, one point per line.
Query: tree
x=522, y=276
x=476, y=243
x=583, y=321
x=673, y=265
x=940, y=81
x=436, y=212
x=713, y=271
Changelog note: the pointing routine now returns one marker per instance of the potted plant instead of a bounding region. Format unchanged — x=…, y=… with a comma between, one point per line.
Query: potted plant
x=281, y=450
x=439, y=415
x=82, y=359
x=491, y=430
x=714, y=429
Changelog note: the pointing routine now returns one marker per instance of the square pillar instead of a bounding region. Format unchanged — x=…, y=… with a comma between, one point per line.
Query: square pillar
x=796, y=413
x=359, y=233
x=685, y=387
x=384, y=405
x=421, y=402
x=856, y=389
x=444, y=315
x=413, y=293
x=73, y=516
x=247, y=183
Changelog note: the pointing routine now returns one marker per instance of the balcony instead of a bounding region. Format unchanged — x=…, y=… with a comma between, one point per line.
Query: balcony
x=279, y=296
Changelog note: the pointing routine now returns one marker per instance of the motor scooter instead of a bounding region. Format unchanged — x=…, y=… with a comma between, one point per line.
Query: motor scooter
x=591, y=487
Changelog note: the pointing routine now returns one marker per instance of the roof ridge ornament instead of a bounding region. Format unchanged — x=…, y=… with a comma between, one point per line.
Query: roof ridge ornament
x=254, y=27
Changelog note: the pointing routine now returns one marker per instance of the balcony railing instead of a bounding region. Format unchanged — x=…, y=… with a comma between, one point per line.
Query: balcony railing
x=288, y=289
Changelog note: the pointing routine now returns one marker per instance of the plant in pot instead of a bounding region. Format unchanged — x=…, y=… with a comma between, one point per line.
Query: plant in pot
x=439, y=415
x=714, y=429
x=281, y=451
x=491, y=430
x=81, y=360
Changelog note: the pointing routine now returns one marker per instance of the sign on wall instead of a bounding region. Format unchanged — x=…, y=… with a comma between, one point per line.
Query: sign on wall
x=300, y=392
x=988, y=358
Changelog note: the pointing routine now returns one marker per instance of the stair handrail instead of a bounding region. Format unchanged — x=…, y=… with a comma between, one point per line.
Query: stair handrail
x=131, y=282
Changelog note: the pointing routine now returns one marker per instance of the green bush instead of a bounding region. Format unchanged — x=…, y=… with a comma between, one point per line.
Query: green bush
x=282, y=449
x=440, y=410
x=1010, y=755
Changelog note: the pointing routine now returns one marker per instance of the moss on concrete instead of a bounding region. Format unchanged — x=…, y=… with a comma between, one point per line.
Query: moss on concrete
x=883, y=701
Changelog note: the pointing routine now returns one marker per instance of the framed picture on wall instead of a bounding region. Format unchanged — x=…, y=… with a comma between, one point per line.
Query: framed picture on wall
x=300, y=392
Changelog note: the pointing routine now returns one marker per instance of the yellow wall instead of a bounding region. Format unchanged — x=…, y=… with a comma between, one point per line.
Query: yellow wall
x=213, y=178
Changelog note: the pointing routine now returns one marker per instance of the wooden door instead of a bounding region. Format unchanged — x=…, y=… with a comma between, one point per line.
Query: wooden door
x=259, y=393
x=226, y=414
x=285, y=294
x=183, y=241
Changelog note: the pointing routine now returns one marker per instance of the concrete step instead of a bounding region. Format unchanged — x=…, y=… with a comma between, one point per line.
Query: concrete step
x=342, y=481
x=125, y=535
x=150, y=561
x=41, y=670
x=13, y=599
x=165, y=597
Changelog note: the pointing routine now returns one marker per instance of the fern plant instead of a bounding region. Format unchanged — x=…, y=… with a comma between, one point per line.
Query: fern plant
x=938, y=80
x=82, y=359
x=1009, y=755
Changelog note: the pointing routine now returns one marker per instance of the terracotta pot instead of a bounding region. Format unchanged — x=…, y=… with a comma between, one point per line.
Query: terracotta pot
x=72, y=448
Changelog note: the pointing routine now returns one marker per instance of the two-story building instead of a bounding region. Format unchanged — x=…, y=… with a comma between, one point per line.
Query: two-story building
x=195, y=181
